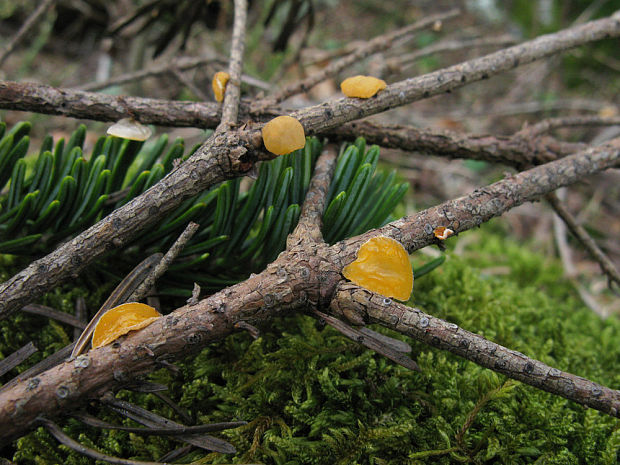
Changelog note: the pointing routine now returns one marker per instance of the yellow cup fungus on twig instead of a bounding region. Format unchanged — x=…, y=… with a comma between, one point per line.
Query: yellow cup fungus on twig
x=128, y=128
x=220, y=79
x=362, y=86
x=283, y=134
x=442, y=233
x=120, y=320
x=382, y=266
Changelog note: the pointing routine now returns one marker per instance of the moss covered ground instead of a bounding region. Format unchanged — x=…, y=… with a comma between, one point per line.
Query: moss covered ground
x=312, y=397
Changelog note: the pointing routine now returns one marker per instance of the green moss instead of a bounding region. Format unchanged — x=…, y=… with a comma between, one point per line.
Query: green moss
x=312, y=397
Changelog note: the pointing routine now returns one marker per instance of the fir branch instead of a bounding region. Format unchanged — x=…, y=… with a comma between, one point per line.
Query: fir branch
x=374, y=308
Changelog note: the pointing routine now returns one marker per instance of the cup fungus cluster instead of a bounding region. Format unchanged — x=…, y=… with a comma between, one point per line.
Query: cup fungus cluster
x=220, y=79
x=118, y=321
x=362, y=86
x=382, y=266
x=283, y=134
x=129, y=128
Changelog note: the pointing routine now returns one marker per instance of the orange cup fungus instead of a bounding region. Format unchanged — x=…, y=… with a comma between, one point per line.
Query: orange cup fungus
x=128, y=128
x=362, y=86
x=382, y=266
x=283, y=134
x=220, y=79
x=120, y=320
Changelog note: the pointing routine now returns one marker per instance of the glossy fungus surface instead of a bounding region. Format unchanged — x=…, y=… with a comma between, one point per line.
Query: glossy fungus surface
x=362, y=86
x=120, y=320
x=220, y=79
x=283, y=134
x=382, y=266
x=131, y=129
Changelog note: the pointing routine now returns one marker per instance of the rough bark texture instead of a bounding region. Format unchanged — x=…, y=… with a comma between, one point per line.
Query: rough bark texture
x=303, y=277
x=358, y=304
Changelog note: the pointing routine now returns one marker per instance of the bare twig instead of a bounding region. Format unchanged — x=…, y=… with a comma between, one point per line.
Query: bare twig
x=369, y=341
x=160, y=268
x=405, y=61
x=416, y=231
x=49, y=312
x=378, y=44
x=167, y=431
x=152, y=420
x=553, y=123
x=183, y=80
x=435, y=332
x=61, y=437
x=230, y=109
x=582, y=235
x=81, y=315
x=17, y=357
x=32, y=20
x=311, y=218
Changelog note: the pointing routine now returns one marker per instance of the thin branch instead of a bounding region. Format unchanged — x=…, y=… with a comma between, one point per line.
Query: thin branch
x=435, y=332
x=152, y=420
x=160, y=268
x=167, y=431
x=369, y=341
x=32, y=20
x=61, y=437
x=378, y=44
x=405, y=61
x=416, y=231
x=183, y=80
x=515, y=150
x=547, y=125
x=81, y=315
x=49, y=312
x=311, y=218
x=582, y=235
x=17, y=357
x=232, y=97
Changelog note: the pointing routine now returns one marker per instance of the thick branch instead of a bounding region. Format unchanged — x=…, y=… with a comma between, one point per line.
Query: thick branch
x=230, y=109
x=378, y=44
x=416, y=231
x=582, y=235
x=311, y=218
x=515, y=150
x=374, y=308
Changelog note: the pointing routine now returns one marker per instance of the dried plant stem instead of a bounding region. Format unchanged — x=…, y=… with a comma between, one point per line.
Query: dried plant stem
x=547, y=125
x=582, y=235
x=17, y=357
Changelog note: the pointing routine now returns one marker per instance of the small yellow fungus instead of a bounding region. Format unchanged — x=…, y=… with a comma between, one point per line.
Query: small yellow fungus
x=220, y=79
x=128, y=128
x=362, y=86
x=382, y=266
x=283, y=135
x=442, y=233
x=120, y=320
